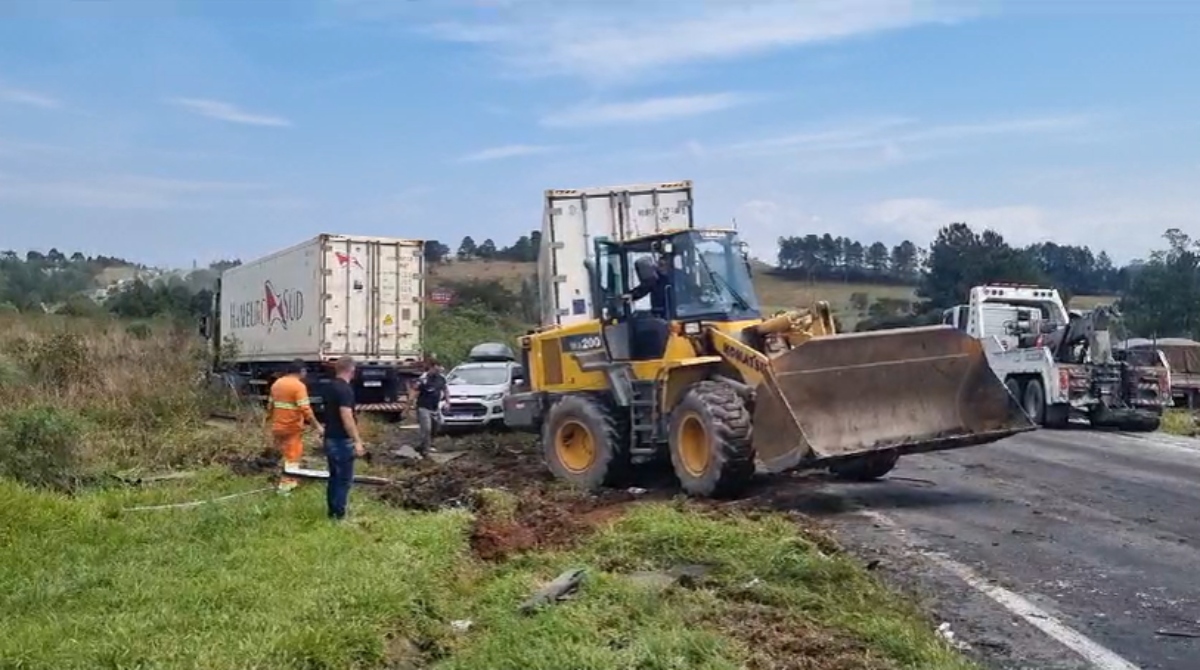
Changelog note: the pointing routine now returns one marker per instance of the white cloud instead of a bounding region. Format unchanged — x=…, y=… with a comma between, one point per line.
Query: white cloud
x=224, y=111
x=118, y=192
x=644, y=111
x=891, y=134
x=19, y=96
x=507, y=151
x=599, y=41
x=1125, y=226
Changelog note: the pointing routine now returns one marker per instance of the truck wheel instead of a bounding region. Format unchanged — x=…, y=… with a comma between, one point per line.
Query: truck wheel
x=582, y=444
x=1033, y=401
x=1047, y=416
x=865, y=468
x=709, y=441
x=1013, y=385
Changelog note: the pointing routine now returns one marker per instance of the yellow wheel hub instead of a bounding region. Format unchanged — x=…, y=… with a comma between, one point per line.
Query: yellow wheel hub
x=694, y=451
x=575, y=447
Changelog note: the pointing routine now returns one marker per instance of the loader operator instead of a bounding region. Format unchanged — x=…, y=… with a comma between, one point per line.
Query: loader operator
x=290, y=410
x=650, y=331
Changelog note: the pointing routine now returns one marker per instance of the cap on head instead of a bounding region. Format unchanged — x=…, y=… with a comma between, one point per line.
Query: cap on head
x=343, y=365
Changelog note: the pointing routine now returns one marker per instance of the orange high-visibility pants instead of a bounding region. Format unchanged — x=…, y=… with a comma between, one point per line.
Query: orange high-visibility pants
x=291, y=445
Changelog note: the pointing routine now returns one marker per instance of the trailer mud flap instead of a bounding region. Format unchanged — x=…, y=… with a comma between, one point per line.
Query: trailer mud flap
x=909, y=390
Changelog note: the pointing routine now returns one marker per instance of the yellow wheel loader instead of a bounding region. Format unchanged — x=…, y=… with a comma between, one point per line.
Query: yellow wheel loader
x=678, y=362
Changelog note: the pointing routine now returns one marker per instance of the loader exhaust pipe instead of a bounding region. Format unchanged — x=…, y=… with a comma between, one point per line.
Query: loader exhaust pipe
x=908, y=390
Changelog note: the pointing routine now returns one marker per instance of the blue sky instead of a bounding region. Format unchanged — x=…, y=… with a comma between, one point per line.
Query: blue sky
x=171, y=131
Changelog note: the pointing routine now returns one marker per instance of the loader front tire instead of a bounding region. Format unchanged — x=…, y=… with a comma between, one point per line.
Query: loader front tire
x=582, y=443
x=709, y=438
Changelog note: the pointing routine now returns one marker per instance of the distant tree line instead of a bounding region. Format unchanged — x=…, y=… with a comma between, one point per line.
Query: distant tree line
x=524, y=250
x=828, y=258
x=1159, y=296
x=69, y=284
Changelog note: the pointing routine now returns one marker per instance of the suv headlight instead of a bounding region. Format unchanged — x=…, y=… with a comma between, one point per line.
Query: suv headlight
x=494, y=396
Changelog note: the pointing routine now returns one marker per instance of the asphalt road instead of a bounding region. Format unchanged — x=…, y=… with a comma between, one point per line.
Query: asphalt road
x=1093, y=539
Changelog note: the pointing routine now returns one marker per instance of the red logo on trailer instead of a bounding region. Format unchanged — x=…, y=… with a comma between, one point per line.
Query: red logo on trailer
x=275, y=307
x=441, y=296
x=278, y=310
x=345, y=259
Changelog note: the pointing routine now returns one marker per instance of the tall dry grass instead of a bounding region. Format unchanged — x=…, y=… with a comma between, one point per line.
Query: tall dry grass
x=81, y=396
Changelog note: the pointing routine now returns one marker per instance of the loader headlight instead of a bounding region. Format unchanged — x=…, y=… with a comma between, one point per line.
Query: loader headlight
x=692, y=328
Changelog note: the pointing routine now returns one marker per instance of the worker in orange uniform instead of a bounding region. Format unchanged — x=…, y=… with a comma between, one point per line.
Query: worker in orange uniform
x=290, y=412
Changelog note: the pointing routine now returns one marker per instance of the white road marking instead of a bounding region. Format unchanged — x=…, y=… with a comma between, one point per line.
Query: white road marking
x=1099, y=656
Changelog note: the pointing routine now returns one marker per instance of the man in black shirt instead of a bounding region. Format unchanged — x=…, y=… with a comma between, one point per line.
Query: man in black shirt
x=431, y=393
x=343, y=443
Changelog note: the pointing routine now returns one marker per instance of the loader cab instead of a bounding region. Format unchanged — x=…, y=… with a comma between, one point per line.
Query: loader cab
x=645, y=284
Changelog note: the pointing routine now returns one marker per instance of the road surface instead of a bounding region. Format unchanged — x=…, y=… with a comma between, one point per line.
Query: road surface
x=1053, y=549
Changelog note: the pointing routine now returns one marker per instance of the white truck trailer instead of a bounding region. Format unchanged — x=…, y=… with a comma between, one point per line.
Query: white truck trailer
x=1060, y=364
x=330, y=296
x=574, y=218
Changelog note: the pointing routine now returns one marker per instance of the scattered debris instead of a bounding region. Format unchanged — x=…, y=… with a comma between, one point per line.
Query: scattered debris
x=944, y=631
x=1178, y=633
x=305, y=473
x=563, y=585
x=153, y=479
x=461, y=625
x=197, y=503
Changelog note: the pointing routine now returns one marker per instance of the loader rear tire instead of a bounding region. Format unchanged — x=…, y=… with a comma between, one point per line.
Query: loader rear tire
x=583, y=444
x=865, y=468
x=710, y=443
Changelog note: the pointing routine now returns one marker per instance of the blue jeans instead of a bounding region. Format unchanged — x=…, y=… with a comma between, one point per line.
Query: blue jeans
x=339, y=453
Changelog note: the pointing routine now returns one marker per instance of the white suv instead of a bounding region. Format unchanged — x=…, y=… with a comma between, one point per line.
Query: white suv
x=477, y=388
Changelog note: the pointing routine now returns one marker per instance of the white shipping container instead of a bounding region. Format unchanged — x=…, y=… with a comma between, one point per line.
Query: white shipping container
x=331, y=296
x=574, y=218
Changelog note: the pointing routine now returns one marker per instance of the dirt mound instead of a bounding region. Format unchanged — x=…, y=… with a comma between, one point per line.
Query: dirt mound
x=535, y=522
x=518, y=505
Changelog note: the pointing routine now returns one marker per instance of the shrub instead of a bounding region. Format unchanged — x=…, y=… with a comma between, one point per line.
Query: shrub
x=139, y=330
x=450, y=333
x=39, y=445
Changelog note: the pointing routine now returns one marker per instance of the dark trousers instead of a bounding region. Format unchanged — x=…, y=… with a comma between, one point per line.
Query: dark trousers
x=339, y=453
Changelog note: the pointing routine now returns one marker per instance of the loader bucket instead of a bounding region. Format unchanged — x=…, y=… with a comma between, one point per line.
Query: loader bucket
x=909, y=390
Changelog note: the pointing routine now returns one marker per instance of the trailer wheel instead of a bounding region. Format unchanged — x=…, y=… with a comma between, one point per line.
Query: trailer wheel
x=709, y=439
x=865, y=468
x=582, y=443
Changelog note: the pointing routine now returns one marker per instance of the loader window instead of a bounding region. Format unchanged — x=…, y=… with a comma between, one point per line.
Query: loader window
x=711, y=278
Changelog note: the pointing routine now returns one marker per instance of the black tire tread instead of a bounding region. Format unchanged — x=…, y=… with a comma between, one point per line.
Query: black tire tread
x=731, y=431
x=612, y=463
x=865, y=468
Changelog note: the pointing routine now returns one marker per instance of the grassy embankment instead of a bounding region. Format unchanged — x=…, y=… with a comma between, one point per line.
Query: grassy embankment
x=264, y=581
x=774, y=292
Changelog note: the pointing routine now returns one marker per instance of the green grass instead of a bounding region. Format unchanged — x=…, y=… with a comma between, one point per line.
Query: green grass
x=264, y=581
x=1180, y=422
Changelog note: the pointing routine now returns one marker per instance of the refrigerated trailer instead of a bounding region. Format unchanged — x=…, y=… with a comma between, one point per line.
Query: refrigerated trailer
x=573, y=218
x=328, y=297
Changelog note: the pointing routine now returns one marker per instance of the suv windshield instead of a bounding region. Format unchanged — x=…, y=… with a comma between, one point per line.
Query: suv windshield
x=711, y=277
x=479, y=375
